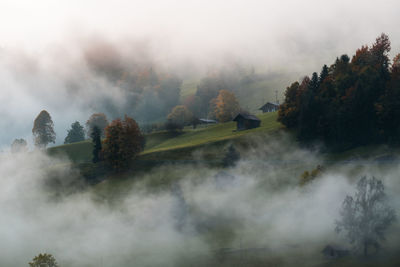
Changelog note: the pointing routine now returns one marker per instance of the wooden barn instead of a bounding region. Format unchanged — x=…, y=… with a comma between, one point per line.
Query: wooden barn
x=246, y=121
x=269, y=107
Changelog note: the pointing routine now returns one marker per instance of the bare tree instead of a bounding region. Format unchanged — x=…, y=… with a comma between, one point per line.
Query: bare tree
x=366, y=216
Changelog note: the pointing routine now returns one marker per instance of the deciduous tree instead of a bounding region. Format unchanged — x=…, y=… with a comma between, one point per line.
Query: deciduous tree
x=366, y=216
x=122, y=143
x=42, y=130
x=180, y=115
x=19, y=145
x=226, y=106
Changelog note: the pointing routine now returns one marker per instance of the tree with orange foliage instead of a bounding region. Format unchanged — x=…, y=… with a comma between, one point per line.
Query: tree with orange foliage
x=226, y=106
x=351, y=103
x=122, y=143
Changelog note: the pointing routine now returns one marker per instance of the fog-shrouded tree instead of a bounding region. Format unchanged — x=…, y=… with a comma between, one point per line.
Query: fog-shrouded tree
x=193, y=103
x=226, y=106
x=43, y=130
x=173, y=127
x=19, y=145
x=99, y=120
x=123, y=142
x=43, y=260
x=180, y=115
x=365, y=217
x=96, y=140
x=75, y=134
x=231, y=157
x=207, y=90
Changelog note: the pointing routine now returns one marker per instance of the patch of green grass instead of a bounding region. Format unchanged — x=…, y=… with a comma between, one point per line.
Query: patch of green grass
x=214, y=133
x=76, y=152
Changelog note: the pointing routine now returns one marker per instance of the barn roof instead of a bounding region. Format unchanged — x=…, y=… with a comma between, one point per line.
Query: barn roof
x=269, y=103
x=208, y=121
x=246, y=116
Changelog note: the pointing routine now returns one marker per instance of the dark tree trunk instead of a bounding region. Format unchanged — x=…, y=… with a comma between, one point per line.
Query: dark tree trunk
x=365, y=249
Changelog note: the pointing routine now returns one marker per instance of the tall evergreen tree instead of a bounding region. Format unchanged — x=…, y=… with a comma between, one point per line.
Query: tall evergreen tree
x=75, y=134
x=96, y=139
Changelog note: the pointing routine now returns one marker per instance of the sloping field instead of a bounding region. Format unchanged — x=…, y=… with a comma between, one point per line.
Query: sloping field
x=159, y=143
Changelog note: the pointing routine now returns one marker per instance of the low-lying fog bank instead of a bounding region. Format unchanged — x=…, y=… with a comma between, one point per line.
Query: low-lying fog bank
x=256, y=209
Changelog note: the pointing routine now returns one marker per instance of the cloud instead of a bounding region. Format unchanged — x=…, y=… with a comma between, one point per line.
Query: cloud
x=257, y=204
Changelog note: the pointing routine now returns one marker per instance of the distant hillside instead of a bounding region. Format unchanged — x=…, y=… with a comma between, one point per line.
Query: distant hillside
x=165, y=146
x=252, y=94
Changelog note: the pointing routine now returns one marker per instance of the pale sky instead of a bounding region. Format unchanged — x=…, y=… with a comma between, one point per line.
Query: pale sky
x=236, y=25
x=275, y=36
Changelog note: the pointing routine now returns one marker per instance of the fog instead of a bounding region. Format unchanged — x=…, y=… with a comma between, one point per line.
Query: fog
x=46, y=207
x=45, y=44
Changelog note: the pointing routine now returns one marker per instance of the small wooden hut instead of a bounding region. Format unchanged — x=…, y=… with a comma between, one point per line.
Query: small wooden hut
x=269, y=107
x=246, y=121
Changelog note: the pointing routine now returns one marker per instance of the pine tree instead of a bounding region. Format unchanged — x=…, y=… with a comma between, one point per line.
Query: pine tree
x=75, y=134
x=96, y=139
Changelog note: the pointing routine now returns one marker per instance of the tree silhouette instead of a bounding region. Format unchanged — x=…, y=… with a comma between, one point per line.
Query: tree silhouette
x=231, y=157
x=96, y=139
x=180, y=115
x=42, y=130
x=42, y=260
x=122, y=143
x=75, y=134
x=226, y=106
x=19, y=145
x=366, y=216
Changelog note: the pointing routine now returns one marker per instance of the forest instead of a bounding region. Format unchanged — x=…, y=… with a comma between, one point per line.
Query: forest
x=351, y=102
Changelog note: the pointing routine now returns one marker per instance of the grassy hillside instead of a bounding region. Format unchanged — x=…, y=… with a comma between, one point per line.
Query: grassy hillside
x=76, y=152
x=211, y=134
x=166, y=146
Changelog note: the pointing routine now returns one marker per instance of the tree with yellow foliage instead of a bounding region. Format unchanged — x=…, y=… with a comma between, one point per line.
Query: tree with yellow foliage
x=226, y=106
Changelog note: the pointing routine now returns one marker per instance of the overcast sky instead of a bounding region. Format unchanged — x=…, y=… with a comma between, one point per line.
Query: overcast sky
x=278, y=36
x=210, y=24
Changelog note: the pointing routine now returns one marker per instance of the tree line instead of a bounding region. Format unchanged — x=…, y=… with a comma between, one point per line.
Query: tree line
x=352, y=102
x=117, y=142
